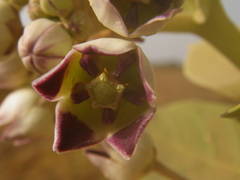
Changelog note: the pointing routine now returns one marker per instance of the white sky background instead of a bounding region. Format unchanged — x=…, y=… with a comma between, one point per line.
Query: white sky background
x=170, y=48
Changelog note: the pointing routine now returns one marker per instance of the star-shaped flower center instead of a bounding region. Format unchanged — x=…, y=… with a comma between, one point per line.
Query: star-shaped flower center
x=105, y=91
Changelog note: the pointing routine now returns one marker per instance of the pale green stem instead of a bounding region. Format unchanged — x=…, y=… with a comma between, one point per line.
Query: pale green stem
x=165, y=171
x=217, y=30
x=221, y=33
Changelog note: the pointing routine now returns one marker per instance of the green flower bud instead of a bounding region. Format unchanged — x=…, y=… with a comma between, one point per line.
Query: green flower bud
x=10, y=28
x=43, y=44
x=56, y=7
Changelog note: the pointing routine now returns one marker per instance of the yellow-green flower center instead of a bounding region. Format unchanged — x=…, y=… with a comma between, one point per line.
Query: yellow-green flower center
x=105, y=92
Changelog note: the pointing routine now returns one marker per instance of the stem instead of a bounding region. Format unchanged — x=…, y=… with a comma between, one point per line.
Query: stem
x=221, y=33
x=217, y=30
x=165, y=171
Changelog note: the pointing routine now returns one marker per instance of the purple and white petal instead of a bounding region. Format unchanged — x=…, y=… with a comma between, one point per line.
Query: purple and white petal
x=49, y=84
x=125, y=140
x=109, y=16
x=105, y=46
x=71, y=133
x=154, y=25
x=146, y=74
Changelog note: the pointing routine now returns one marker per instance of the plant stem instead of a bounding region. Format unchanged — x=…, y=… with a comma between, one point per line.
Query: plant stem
x=221, y=33
x=165, y=171
x=217, y=30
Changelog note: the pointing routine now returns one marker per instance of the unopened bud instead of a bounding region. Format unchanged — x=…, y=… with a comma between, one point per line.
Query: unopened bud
x=21, y=113
x=43, y=44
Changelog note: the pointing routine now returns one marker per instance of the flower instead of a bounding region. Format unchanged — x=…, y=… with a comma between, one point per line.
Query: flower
x=114, y=167
x=12, y=72
x=43, y=45
x=104, y=92
x=20, y=111
x=134, y=18
x=10, y=26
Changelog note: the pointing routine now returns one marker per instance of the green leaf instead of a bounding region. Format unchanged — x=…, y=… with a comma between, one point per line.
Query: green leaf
x=195, y=142
x=207, y=67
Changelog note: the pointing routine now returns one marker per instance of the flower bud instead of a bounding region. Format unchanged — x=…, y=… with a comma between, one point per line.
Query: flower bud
x=12, y=72
x=43, y=45
x=10, y=28
x=114, y=167
x=56, y=7
x=134, y=18
x=105, y=92
x=19, y=113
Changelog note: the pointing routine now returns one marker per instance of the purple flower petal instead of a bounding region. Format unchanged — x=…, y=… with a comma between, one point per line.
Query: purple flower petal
x=50, y=83
x=105, y=46
x=125, y=61
x=155, y=24
x=108, y=115
x=79, y=93
x=125, y=140
x=147, y=78
x=71, y=133
x=88, y=63
x=136, y=97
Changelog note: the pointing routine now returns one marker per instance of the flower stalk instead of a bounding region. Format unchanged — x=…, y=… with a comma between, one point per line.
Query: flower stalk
x=163, y=170
x=217, y=29
x=222, y=33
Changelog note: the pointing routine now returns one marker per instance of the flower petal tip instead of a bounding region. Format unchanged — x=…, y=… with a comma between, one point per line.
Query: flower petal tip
x=125, y=140
x=71, y=133
x=49, y=85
